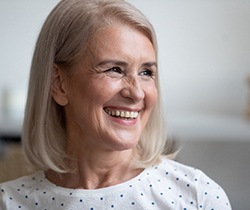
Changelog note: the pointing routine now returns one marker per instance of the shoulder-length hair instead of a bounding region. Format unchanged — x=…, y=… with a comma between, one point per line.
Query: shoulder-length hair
x=62, y=41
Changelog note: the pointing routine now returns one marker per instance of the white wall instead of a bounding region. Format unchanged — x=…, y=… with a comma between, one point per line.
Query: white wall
x=20, y=23
x=204, y=52
x=205, y=59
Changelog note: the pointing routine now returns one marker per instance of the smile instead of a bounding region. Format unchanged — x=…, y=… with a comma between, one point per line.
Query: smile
x=122, y=114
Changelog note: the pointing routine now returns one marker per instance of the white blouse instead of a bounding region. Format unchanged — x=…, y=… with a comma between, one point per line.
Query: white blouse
x=168, y=185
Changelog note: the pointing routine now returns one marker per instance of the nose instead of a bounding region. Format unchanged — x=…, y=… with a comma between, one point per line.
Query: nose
x=133, y=89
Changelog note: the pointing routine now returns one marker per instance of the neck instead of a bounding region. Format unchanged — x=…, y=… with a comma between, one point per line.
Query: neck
x=95, y=169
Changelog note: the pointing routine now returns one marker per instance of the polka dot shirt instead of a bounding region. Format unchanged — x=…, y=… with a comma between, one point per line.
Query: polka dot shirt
x=169, y=185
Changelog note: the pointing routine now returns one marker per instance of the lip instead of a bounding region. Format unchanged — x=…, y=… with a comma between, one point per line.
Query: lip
x=123, y=108
x=122, y=121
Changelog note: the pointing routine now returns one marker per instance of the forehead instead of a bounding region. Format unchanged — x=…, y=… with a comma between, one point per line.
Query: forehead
x=121, y=40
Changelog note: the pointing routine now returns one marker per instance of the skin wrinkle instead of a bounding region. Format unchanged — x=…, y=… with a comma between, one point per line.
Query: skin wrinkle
x=132, y=83
x=101, y=148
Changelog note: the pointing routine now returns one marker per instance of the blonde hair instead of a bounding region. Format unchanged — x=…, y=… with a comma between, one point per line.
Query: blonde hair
x=62, y=41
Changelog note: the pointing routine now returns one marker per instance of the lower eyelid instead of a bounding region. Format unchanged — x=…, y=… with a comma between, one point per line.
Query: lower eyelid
x=113, y=74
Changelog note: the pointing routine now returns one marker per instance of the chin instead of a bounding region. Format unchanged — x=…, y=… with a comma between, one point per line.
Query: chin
x=124, y=144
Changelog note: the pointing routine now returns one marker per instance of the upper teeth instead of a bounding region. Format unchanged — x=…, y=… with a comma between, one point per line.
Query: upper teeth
x=120, y=113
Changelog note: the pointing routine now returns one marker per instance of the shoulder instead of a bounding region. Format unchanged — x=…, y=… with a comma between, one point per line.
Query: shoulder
x=12, y=190
x=25, y=181
x=178, y=171
x=193, y=183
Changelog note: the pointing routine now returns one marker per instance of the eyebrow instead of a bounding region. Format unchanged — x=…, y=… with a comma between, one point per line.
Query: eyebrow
x=125, y=64
x=149, y=64
x=112, y=61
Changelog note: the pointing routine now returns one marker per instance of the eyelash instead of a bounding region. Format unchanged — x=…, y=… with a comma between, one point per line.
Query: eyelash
x=148, y=73
x=115, y=69
x=145, y=72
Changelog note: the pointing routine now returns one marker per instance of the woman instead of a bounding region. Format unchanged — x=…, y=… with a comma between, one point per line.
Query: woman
x=93, y=124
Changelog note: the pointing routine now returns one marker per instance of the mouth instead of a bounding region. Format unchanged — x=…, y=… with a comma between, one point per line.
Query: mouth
x=128, y=115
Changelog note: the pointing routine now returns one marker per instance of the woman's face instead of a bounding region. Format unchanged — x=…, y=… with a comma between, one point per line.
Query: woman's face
x=112, y=90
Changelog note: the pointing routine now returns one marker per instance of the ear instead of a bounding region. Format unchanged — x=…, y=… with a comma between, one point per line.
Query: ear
x=58, y=90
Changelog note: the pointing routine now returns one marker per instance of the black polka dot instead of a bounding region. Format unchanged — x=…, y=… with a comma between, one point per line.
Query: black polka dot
x=159, y=184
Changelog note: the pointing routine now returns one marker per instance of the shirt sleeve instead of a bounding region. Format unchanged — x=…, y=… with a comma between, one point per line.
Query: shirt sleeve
x=210, y=195
x=2, y=194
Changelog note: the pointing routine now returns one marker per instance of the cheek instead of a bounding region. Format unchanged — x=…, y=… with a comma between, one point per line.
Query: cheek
x=151, y=96
x=101, y=91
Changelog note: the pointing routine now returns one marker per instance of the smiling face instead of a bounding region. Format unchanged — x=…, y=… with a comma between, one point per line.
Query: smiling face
x=110, y=93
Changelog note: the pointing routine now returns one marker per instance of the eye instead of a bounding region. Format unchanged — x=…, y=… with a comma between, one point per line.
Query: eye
x=147, y=72
x=115, y=70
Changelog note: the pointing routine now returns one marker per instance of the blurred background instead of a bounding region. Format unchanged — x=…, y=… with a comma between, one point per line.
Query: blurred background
x=204, y=62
